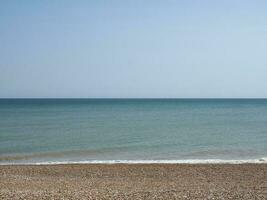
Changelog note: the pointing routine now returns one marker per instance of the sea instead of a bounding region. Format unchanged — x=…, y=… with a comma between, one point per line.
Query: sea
x=61, y=131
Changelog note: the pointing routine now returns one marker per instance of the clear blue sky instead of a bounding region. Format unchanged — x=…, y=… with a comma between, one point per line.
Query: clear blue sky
x=134, y=48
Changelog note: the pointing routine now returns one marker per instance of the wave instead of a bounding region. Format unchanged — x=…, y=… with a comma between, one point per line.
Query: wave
x=47, y=155
x=191, y=161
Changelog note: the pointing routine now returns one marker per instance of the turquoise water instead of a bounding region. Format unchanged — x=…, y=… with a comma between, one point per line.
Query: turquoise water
x=70, y=130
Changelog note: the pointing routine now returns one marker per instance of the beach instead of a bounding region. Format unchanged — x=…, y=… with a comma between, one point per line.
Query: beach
x=121, y=100
x=133, y=149
x=134, y=181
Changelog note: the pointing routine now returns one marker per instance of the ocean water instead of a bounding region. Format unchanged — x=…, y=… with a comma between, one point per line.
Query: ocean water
x=132, y=130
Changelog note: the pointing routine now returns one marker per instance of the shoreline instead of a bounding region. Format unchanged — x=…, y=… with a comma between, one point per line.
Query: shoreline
x=134, y=181
x=262, y=160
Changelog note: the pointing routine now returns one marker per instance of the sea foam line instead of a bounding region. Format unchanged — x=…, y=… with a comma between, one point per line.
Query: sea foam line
x=191, y=161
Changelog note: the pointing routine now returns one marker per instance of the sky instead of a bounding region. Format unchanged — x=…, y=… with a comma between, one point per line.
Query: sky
x=133, y=49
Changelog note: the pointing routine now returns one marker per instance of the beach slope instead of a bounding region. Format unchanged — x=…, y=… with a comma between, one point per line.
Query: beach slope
x=134, y=181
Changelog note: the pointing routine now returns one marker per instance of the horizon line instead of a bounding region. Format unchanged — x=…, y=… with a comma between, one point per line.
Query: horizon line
x=107, y=98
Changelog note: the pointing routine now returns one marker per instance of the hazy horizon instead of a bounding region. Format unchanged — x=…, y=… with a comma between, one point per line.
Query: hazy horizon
x=133, y=49
x=136, y=98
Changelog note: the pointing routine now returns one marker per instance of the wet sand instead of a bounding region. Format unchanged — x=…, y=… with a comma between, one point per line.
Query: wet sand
x=134, y=181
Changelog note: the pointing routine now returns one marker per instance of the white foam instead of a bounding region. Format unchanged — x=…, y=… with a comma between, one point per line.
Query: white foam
x=191, y=161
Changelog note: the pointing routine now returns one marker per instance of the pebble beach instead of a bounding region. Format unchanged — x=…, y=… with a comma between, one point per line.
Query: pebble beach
x=134, y=181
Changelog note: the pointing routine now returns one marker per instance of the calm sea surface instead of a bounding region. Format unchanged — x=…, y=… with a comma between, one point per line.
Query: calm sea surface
x=70, y=130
